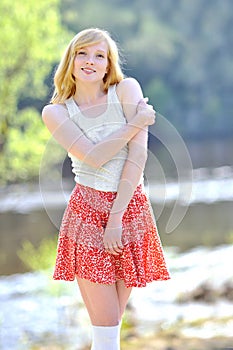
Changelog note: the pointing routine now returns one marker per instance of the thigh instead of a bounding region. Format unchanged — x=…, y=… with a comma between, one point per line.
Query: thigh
x=123, y=295
x=101, y=301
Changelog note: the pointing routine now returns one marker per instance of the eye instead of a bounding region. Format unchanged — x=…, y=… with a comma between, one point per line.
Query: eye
x=81, y=52
x=100, y=55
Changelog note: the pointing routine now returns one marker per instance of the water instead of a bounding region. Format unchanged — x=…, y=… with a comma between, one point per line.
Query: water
x=37, y=315
x=206, y=214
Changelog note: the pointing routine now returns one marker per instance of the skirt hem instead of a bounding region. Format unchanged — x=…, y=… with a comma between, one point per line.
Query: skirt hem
x=128, y=285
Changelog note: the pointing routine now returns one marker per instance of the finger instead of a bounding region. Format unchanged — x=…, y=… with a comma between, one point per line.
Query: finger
x=150, y=107
x=115, y=250
x=143, y=101
x=112, y=251
x=118, y=249
x=119, y=245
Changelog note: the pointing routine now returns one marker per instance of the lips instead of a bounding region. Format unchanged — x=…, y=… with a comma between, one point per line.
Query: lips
x=88, y=70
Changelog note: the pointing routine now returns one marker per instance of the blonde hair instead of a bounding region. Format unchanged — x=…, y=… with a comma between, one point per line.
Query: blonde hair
x=64, y=80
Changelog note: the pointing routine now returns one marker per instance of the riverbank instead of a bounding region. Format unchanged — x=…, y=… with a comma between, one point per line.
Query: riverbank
x=174, y=342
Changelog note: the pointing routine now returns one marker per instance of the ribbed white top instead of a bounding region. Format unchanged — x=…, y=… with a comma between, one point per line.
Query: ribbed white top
x=107, y=177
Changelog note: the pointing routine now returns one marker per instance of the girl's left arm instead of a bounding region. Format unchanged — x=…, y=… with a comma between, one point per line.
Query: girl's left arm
x=130, y=94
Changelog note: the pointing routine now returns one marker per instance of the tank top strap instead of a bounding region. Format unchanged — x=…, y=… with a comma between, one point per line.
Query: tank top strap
x=112, y=95
x=71, y=106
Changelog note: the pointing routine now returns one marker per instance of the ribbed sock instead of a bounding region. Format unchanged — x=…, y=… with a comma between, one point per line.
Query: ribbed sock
x=106, y=338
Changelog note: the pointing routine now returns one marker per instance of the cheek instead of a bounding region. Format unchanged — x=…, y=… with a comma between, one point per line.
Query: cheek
x=76, y=63
x=75, y=69
x=105, y=67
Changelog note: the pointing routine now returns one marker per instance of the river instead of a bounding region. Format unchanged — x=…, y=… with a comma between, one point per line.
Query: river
x=200, y=213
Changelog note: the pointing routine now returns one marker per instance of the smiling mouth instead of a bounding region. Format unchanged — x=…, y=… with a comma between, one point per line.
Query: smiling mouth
x=88, y=70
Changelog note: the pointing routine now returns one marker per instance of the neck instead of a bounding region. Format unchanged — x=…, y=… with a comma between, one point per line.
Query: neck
x=88, y=93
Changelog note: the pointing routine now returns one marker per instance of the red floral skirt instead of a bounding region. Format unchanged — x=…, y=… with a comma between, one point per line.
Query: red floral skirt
x=80, y=247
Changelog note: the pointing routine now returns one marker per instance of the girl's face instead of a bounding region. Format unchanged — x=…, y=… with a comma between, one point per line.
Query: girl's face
x=91, y=63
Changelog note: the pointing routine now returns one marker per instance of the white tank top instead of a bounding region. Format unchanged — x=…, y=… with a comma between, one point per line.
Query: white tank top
x=107, y=177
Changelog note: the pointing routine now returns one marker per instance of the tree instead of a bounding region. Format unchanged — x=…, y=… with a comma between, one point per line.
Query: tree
x=31, y=39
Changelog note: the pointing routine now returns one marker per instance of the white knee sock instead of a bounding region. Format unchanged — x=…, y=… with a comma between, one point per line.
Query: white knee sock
x=106, y=338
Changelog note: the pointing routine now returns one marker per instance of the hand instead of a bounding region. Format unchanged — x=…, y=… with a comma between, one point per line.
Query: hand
x=112, y=236
x=145, y=113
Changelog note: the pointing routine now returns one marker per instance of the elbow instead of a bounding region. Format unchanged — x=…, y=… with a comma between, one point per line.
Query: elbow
x=86, y=157
x=95, y=159
x=94, y=162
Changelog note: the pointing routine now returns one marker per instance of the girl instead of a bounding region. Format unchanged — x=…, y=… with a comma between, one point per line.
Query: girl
x=108, y=239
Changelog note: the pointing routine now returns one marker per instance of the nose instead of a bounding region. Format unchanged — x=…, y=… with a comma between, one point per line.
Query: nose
x=89, y=59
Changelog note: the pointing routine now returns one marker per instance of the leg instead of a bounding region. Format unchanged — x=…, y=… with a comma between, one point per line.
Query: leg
x=101, y=302
x=105, y=305
x=123, y=296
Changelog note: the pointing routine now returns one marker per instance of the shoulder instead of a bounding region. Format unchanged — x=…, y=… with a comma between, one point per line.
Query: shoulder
x=129, y=90
x=52, y=111
x=129, y=93
x=128, y=82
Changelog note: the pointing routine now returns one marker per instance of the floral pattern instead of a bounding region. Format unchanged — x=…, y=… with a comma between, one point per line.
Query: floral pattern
x=80, y=247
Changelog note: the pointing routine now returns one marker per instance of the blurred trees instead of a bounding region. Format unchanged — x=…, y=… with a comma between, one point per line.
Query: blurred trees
x=181, y=51
x=30, y=41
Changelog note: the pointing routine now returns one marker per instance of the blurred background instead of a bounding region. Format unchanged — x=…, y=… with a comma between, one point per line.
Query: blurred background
x=182, y=54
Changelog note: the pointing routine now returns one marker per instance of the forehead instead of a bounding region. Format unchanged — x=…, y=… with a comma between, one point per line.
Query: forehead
x=100, y=46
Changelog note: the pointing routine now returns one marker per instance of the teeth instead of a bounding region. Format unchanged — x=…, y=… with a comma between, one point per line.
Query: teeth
x=88, y=69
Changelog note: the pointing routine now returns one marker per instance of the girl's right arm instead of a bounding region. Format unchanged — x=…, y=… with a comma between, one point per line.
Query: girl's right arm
x=71, y=137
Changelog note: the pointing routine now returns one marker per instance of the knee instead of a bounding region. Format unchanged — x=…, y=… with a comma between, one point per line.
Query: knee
x=106, y=316
x=106, y=321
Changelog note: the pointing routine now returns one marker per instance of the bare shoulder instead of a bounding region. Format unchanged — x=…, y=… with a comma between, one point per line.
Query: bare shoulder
x=128, y=82
x=54, y=111
x=129, y=93
x=129, y=90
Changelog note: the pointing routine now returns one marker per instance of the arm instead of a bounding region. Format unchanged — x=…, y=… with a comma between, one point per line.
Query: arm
x=137, y=156
x=71, y=137
x=134, y=165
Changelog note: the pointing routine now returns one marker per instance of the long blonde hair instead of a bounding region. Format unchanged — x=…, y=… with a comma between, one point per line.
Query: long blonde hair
x=64, y=80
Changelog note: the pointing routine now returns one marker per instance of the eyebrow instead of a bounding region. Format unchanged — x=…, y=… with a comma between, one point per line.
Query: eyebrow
x=98, y=50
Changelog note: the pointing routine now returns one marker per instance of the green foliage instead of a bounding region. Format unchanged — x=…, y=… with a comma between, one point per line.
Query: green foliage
x=229, y=238
x=30, y=42
x=160, y=92
x=41, y=258
x=26, y=143
x=31, y=39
